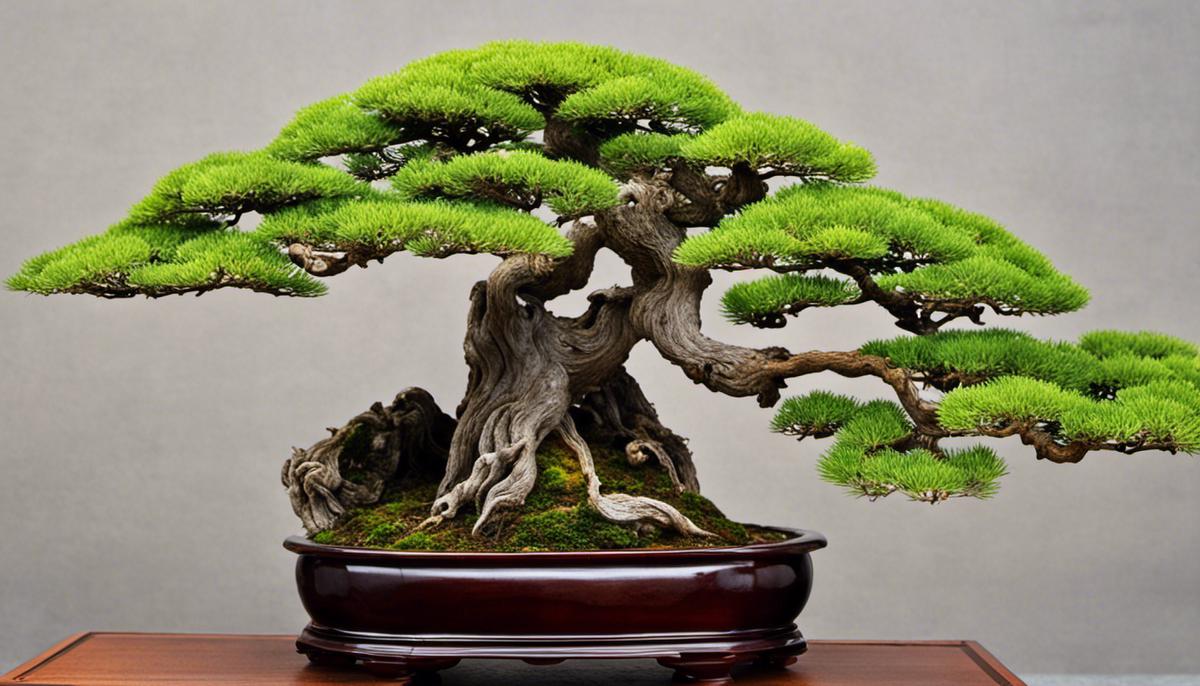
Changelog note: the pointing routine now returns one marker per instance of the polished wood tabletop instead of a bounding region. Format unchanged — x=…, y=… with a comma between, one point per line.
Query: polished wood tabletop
x=112, y=659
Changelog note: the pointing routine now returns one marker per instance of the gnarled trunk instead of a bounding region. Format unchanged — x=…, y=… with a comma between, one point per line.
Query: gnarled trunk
x=532, y=373
x=528, y=368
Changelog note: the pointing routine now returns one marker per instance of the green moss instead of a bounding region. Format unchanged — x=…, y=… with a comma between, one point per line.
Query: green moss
x=382, y=533
x=556, y=514
x=554, y=479
x=576, y=528
x=418, y=540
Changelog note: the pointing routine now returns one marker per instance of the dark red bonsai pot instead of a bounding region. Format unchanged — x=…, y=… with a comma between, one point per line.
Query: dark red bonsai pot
x=699, y=611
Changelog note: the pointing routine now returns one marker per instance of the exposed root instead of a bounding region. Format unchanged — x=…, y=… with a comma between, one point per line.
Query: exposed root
x=640, y=452
x=352, y=467
x=621, y=413
x=621, y=507
x=498, y=480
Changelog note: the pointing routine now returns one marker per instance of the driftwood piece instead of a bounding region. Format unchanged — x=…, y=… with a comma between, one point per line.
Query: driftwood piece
x=353, y=466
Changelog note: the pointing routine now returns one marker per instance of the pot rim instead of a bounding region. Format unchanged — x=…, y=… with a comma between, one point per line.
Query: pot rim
x=801, y=540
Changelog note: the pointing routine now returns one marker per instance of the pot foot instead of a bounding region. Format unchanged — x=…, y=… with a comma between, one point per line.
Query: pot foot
x=709, y=669
x=400, y=673
x=323, y=658
x=775, y=660
x=403, y=671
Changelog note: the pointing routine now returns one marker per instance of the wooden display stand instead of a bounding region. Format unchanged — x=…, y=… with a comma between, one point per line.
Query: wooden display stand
x=115, y=659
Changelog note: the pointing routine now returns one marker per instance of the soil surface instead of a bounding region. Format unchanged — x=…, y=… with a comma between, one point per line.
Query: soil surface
x=556, y=515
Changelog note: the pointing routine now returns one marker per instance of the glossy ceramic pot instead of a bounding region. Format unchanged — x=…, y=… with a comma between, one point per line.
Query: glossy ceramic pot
x=698, y=610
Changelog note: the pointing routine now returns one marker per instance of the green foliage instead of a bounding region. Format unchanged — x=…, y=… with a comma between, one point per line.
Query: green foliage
x=951, y=358
x=1162, y=413
x=520, y=178
x=804, y=210
x=764, y=301
x=981, y=469
x=773, y=145
x=936, y=254
x=993, y=281
x=1004, y=400
x=636, y=152
x=232, y=183
x=500, y=91
x=783, y=145
x=868, y=458
x=877, y=424
x=91, y=260
x=1098, y=393
x=1140, y=343
x=844, y=243
x=666, y=94
x=131, y=259
x=819, y=413
x=1125, y=370
x=592, y=83
x=225, y=259
x=544, y=72
x=384, y=225
x=738, y=247
x=437, y=97
x=333, y=127
x=916, y=472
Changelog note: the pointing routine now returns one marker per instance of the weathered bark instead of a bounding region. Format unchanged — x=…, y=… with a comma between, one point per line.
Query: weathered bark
x=619, y=413
x=530, y=371
x=666, y=311
x=527, y=367
x=408, y=439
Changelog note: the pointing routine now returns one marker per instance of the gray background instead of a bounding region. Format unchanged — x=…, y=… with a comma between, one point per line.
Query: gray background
x=140, y=441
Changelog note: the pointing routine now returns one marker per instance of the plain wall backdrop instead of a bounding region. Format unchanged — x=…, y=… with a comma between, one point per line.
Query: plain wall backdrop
x=141, y=441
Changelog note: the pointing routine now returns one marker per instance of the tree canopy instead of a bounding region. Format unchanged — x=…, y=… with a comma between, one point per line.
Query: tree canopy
x=494, y=149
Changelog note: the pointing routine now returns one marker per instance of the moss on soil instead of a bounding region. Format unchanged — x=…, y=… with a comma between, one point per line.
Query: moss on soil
x=556, y=515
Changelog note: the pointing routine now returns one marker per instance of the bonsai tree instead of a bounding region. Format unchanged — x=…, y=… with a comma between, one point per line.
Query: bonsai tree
x=545, y=154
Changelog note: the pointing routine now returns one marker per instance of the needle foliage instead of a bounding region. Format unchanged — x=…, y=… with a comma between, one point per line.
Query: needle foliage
x=492, y=149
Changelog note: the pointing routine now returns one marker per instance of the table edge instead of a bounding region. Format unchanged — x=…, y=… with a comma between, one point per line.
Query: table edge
x=973, y=649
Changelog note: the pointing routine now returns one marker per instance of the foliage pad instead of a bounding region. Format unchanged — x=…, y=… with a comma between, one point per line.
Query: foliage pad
x=457, y=135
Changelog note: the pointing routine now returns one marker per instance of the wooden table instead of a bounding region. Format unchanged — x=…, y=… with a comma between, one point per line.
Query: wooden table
x=113, y=659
